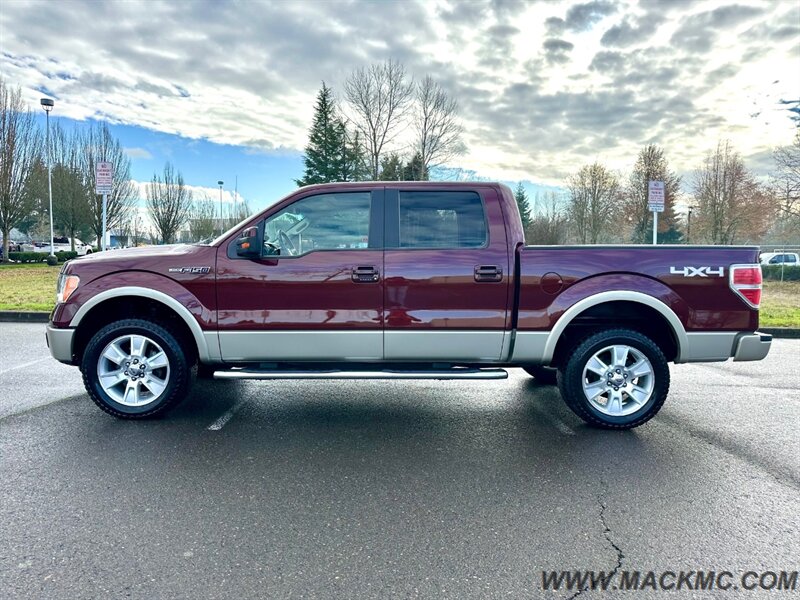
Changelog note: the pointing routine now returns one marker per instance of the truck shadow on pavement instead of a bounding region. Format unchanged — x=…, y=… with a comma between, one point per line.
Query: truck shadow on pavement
x=515, y=423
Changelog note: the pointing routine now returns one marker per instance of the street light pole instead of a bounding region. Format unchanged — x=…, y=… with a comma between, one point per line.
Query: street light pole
x=689, y=226
x=47, y=105
x=221, y=226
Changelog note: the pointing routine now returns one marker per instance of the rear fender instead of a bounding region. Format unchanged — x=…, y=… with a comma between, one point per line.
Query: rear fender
x=594, y=291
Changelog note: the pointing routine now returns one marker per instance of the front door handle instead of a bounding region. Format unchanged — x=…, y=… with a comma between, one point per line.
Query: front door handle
x=368, y=274
x=488, y=273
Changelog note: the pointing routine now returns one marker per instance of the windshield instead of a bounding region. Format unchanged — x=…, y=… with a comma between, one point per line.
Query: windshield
x=220, y=238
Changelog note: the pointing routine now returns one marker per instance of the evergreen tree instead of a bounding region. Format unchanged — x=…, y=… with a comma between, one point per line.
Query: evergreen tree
x=524, y=205
x=391, y=167
x=324, y=154
x=415, y=170
x=354, y=161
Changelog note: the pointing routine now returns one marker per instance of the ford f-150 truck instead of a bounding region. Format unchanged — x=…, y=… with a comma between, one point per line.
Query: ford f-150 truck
x=403, y=280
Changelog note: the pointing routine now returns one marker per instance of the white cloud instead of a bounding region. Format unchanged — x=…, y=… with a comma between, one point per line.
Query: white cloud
x=543, y=87
x=199, y=193
x=137, y=153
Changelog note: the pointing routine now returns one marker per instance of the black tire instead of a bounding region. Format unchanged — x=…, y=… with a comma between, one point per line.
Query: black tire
x=543, y=375
x=571, y=378
x=178, y=379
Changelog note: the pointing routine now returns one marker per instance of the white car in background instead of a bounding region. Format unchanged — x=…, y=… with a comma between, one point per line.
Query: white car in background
x=787, y=259
x=60, y=244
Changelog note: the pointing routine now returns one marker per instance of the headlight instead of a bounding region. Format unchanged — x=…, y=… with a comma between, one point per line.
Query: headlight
x=66, y=285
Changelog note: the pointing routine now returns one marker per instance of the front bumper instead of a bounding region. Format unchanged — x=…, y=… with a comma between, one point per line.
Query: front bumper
x=60, y=343
x=752, y=346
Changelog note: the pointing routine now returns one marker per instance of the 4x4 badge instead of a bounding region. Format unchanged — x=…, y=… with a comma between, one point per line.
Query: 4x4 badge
x=697, y=271
x=191, y=270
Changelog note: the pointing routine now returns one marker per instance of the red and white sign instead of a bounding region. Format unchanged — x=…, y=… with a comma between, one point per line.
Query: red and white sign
x=103, y=178
x=655, y=196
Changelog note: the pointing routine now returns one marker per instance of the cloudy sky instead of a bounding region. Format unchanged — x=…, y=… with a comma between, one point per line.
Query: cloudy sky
x=227, y=89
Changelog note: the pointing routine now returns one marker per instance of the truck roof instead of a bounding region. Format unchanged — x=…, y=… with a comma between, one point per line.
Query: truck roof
x=402, y=184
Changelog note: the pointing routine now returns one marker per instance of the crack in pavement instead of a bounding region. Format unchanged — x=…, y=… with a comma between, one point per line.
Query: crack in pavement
x=612, y=543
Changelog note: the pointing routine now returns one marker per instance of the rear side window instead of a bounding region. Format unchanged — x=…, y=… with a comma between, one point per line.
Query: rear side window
x=442, y=220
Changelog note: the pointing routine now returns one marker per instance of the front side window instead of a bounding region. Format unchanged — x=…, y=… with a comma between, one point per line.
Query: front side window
x=323, y=222
x=437, y=219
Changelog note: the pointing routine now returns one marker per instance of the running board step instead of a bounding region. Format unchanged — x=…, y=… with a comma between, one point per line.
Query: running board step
x=388, y=374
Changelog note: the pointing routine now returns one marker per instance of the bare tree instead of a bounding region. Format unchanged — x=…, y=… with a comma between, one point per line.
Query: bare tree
x=549, y=223
x=131, y=229
x=786, y=187
x=379, y=97
x=732, y=206
x=651, y=165
x=593, y=200
x=438, y=131
x=98, y=145
x=169, y=202
x=71, y=195
x=201, y=219
x=20, y=149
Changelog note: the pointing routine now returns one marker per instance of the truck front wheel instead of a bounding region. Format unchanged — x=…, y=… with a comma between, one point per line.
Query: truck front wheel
x=615, y=379
x=134, y=369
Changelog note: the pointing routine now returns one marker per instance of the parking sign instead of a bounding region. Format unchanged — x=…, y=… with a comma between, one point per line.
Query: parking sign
x=655, y=196
x=103, y=178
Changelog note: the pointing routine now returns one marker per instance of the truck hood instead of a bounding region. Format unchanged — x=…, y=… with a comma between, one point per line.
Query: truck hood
x=129, y=255
x=164, y=260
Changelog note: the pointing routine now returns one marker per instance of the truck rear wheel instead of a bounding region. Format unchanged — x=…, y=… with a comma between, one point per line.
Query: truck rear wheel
x=543, y=375
x=615, y=379
x=134, y=369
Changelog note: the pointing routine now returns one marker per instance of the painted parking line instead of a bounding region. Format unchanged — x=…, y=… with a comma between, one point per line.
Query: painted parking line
x=22, y=366
x=223, y=420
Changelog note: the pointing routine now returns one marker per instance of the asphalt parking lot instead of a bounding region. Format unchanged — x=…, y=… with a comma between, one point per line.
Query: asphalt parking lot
x=400, y=489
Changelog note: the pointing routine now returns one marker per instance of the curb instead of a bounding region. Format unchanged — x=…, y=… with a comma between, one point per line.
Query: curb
x=10, y=316
x=781, y=332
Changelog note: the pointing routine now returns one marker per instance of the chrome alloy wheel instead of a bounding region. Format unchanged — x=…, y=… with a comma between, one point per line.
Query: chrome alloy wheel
x=133, y=370
x=618, y=380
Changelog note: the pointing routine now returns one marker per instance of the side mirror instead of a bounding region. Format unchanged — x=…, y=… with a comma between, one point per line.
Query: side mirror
x=249, y=244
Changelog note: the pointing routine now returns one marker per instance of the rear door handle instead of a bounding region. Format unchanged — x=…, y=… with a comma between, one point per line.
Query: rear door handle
x=488, y=273
x=365, y=274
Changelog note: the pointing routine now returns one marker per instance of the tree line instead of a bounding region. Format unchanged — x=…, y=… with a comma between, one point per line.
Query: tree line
x=24, y=155
x=77, y=210
x=389, y=127
x=726, y=203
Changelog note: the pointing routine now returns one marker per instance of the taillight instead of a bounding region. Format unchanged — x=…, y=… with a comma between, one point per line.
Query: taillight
x=745, y=280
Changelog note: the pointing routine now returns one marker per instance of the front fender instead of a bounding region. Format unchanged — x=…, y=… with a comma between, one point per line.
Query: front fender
x=64, y=314
x=198, y=317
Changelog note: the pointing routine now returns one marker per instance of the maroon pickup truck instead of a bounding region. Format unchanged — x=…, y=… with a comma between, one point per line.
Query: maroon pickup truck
x=403, y=280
